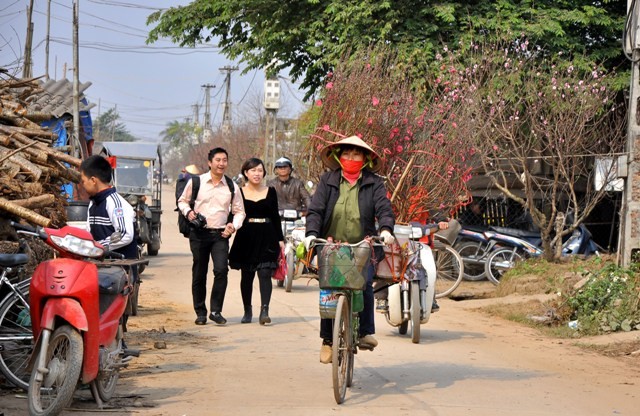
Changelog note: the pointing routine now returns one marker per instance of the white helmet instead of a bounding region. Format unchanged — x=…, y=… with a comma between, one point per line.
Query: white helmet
x=283, y=161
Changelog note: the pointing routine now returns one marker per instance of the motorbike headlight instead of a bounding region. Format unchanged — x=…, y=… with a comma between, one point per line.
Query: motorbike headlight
x=79, y=246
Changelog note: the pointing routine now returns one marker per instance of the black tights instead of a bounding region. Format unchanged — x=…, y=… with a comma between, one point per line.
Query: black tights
x=246, y=286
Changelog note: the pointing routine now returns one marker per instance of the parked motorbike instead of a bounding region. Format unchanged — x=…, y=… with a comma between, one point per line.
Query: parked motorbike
x=409, y=273
x=293, y=231
x=77, y=301
x=516, y=245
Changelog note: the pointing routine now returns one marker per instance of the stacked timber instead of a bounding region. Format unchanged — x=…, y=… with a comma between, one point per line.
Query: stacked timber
x=32, y=171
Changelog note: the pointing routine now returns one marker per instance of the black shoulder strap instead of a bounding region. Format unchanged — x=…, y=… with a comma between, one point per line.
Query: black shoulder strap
x=230, y=185
x=195, y=187
x=232, y=190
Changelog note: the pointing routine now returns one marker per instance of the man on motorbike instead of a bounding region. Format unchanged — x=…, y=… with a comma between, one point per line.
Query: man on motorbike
x=291, y=191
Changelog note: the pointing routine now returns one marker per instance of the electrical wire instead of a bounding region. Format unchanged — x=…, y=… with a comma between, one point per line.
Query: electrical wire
x=121, y=4
x=248, y=88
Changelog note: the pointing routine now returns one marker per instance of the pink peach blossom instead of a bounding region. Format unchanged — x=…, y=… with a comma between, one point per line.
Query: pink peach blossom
x=319, y=103
x=375, y=101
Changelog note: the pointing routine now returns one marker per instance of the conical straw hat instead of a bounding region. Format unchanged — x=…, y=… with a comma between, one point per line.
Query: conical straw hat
x=329, y=160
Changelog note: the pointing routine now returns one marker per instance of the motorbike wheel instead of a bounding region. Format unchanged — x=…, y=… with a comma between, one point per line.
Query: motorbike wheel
x=105, y=383
x=342, y=348
x=472, y=252
x=415, y=312
x=63, y=363
x=291, y=265
x=499, y=262
x=16, y=338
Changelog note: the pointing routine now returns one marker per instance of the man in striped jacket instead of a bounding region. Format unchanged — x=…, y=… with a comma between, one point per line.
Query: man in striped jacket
x=108, y=211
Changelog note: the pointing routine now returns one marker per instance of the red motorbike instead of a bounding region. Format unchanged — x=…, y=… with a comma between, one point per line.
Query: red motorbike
x=77, y=301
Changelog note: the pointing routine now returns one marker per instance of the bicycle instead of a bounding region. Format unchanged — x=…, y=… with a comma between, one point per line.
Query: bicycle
x=449, y=264
x=16, y=338
x=340, y=268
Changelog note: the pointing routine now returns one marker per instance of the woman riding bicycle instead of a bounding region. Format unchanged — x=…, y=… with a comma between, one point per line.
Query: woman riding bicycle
x=345, y=207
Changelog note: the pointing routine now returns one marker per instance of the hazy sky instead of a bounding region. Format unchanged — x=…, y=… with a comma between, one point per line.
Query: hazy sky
x=150, y=85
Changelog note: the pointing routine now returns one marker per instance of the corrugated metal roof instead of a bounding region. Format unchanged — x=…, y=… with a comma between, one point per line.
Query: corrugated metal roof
x=137, y=150
x=57, y=98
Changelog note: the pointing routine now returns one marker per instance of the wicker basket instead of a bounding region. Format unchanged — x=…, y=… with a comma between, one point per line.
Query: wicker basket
x=342, y=266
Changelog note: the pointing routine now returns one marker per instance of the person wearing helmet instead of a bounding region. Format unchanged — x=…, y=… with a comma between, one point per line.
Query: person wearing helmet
x=291, y=191
x=345, y=207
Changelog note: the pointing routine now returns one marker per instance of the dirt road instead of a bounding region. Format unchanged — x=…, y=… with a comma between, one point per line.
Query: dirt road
x=466, y=364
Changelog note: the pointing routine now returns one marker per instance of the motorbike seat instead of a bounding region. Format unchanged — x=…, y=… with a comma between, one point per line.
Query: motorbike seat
x=11, y=260
x=514, y=232
x=111, y=280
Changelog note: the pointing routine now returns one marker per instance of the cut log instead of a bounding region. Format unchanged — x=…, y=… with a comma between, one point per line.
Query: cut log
x=37, y=155
x=25, y=213
x=36, y=201
x=27, y=166
x=35, y=134
x=74, y=161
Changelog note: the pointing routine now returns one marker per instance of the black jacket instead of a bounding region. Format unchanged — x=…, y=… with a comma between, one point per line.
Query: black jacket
x=372, y=200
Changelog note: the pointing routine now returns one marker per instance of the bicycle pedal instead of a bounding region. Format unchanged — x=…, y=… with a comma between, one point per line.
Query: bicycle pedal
x=365, y=347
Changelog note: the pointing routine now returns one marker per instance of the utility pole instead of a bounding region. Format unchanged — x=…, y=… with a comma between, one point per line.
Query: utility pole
x=271, y=104
x=629, y=239
x=196, y=114
x=46, y=46
x=113, y=121
x=26, y=70
x=226, y=114
x=76, y=151
x=207, y=133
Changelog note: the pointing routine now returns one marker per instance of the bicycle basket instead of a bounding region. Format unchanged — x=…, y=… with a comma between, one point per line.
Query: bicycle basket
x=342, y=266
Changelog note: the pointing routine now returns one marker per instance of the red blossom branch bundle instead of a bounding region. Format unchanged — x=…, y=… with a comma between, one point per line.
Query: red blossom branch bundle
x=422, y=138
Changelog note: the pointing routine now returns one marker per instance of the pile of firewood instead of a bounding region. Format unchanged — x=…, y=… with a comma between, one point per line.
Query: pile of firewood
x=32, y=172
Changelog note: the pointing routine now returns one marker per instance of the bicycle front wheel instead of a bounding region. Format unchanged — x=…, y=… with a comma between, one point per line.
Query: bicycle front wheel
x=16, y=338
x=342, y=348
x=450, y=270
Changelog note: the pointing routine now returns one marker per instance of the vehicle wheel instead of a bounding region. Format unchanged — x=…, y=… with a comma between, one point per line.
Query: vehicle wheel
x=154, y=247
x=449, y=269
x=63, y=364
x=415, y=312
x=342, y=354
x=141, y=267
x=499, y=262
x=471, y=253
x=404, y=326
x=133, y=298
x=291, y=265
x=16, y=338
x=105, y=383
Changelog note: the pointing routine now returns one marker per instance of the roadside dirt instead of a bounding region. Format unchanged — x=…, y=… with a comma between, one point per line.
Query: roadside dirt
x=468, y=362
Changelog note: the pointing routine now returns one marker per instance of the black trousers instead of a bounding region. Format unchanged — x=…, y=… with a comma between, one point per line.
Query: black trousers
x=204, y=244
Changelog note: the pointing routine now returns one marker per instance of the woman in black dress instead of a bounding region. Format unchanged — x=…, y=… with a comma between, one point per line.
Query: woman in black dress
x=258, y=243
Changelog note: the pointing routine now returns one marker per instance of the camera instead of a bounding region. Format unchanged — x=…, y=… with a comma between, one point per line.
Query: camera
x=199, y=221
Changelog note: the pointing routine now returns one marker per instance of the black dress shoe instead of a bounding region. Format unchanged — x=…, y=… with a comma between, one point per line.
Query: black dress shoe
x=201, y=320
x=217, y=318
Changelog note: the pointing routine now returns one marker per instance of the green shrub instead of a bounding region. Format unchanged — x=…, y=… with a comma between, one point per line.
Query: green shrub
x=608, y=301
